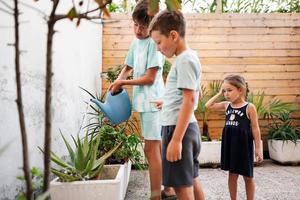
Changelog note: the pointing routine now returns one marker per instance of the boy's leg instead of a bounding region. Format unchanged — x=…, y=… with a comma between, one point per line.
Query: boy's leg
x=250, y=187
x=169, y=191
x=198, y=192
x=151, y=130
x=232, y=185
x=153, y=155
x=185, y=193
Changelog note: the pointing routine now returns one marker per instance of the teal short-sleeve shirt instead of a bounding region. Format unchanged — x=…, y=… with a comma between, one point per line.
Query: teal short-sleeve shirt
x=141, y=56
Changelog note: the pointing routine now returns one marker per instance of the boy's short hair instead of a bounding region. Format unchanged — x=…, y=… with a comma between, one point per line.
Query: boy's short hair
x=140, y=13
x=166, y=21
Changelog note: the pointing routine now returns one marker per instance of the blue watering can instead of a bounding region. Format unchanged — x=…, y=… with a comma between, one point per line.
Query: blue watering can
x=117, y=107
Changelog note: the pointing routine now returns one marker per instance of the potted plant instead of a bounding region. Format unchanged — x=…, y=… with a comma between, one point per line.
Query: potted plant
x=210, y=154
x=284, y=140
x=84, y=175
x=128, y=153
x=37, y=184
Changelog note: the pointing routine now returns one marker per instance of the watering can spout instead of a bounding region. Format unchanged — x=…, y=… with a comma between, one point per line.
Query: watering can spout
x=98, y=103
x=117, y=107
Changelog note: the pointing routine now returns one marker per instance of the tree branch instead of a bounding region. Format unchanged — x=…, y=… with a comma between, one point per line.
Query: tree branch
x=48, y=99
x=26, y=166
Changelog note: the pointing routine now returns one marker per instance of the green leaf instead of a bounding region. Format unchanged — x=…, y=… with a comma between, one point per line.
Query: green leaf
x=103, y=158
x=153, y=7
x=88, y=92
x=22, y=196
x=44, y=196
x=79, y=157
x=72, y=14
x=71, y=152
x=173, y=5
x=97, y=172
x=65, y=177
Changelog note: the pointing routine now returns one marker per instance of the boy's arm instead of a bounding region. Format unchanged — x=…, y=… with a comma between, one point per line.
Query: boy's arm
x=186, y=109
x=212, y=105
x=255, y=131
x=125, y=72
x=147, y=79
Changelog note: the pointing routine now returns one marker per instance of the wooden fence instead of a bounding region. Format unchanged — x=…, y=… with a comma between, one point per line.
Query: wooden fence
x=264, y=48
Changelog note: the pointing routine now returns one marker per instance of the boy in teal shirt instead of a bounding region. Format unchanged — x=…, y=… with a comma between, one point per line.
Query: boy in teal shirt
x=146, y=63
x=180, y=131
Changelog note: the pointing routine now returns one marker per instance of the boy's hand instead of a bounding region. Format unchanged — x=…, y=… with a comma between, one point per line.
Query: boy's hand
x=158, y=104
x=174, y=151
x=258, y=155
x=116, y=86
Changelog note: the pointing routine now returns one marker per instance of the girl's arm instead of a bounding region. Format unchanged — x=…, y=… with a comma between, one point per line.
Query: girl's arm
x=147, y=79
x=255, y=131
x=174, y=148
x=212, y=105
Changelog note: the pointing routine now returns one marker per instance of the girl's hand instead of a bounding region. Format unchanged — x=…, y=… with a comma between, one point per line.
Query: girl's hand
x=258, y=155
x=174, y=151
x=116, y=86
x=158, y=104
x=221, y=92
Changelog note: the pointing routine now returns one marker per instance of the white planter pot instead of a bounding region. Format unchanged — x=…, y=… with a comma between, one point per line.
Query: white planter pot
x=284, y=151
x=111, y=186
x=127, y=171
x=211, y=153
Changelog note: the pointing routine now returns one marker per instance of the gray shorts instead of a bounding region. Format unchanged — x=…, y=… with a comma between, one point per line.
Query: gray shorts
x=181, y=173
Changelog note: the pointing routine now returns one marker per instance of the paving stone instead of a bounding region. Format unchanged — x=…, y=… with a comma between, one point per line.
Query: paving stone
x=273, y=182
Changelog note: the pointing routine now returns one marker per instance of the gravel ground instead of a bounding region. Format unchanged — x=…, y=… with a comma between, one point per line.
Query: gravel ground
x=273, y=182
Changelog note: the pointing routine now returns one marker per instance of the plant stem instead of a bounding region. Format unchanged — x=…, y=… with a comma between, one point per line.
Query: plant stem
x=48, y=95
x=19, y=102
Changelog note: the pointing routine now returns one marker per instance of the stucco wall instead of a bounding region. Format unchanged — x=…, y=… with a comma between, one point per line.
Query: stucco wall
x=76, y=62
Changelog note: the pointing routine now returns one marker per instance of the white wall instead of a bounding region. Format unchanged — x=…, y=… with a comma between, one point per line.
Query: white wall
x=76, y=62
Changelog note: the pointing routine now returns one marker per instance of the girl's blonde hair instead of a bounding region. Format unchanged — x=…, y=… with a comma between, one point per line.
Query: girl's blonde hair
x=238, y=82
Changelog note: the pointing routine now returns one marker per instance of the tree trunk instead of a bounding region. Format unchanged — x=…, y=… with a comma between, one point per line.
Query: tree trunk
x=19, y=102
x=48, y=97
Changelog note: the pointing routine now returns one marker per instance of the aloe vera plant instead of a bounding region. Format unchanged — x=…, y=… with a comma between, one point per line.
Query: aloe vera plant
x=271, y=109
x=284, y=129
x=84, y=163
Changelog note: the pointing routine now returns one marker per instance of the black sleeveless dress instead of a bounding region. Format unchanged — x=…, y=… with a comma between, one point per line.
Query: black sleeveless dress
x=237, y=142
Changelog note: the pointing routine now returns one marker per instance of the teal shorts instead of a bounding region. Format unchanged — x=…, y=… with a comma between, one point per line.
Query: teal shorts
x=150, y=125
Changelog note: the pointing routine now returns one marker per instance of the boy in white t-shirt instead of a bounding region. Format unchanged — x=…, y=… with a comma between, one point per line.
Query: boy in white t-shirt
x=180, y=132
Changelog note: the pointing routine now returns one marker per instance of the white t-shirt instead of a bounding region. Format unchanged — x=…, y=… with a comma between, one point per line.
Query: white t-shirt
x=185, y=73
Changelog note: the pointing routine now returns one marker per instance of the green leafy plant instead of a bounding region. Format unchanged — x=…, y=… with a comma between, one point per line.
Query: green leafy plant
x=166, y=69
x=206, y=93
x=129, y=149
x=284, y=128
x=270, y=109
x=125, y=133
x=243, y=6
x=37, y=183
x=84, y=163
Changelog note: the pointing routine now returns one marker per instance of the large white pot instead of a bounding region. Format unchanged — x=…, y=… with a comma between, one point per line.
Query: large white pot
x=284, y=151
x=127, y=170
x=111, y=186
x=211, y=153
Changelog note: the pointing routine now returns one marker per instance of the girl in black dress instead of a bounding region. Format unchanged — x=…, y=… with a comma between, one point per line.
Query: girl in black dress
x=241, y=128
